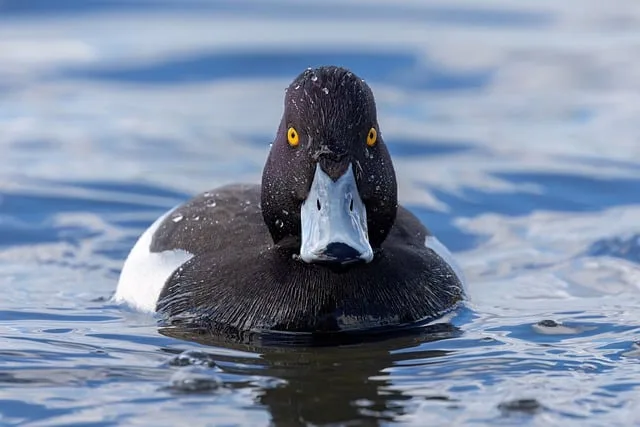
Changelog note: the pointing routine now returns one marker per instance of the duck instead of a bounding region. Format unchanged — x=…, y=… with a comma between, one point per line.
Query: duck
x=320, y=246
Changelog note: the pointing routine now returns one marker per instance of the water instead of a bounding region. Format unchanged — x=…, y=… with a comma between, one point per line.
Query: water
x=514, y=129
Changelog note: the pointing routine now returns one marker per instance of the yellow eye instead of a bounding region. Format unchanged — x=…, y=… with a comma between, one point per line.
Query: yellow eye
x=372, y=137
x=292, y=137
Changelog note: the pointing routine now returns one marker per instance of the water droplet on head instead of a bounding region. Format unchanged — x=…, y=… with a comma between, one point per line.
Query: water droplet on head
x=325, y=90
x=297, y=87
x=211, y=203
x=196, y=218
x=279, y=223
x=177, y=218
x=314, y=78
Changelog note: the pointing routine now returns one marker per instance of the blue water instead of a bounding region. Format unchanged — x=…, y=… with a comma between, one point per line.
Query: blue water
x=514, y=130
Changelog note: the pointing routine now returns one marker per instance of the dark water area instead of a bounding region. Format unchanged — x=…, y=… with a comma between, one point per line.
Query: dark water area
x=514, y=133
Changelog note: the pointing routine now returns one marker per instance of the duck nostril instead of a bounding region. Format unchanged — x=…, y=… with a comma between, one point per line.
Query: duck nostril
x=351, y=205
x=318, y=203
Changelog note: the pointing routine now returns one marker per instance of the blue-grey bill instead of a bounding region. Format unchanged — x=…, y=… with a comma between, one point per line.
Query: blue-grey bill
x=333, y=216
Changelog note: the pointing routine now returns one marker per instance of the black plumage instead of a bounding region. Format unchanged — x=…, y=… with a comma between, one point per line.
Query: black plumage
x=245, y=274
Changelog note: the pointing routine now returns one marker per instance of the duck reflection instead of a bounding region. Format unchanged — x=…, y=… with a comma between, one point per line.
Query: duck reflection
x=343, y=384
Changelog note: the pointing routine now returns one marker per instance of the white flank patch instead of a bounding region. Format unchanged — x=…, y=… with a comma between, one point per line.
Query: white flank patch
x=434, y=244
x=144, y=273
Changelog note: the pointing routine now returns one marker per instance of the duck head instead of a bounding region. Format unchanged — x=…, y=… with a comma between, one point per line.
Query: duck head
x=328, y=185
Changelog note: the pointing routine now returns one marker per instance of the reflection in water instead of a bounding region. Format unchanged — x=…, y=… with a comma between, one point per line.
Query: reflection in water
x=327, y=384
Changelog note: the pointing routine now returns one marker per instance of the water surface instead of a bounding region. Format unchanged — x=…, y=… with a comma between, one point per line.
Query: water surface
x=514, y=129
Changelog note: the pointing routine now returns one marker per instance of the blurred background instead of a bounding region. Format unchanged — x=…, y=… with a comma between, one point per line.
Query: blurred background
x=515, y=135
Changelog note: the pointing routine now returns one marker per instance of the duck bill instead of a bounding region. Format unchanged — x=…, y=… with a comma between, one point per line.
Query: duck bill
x=334, y=221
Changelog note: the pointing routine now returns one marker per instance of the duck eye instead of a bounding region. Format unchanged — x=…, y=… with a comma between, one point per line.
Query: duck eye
x=292, y=137
x=372, y=137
